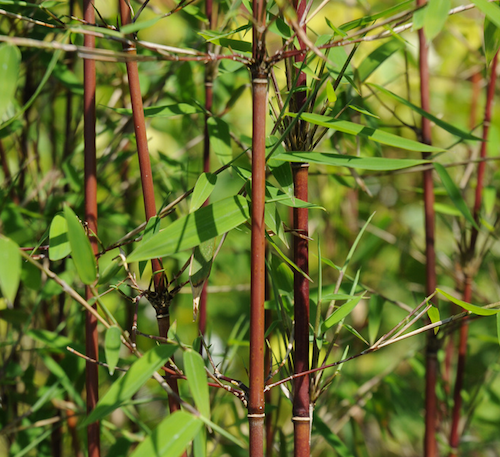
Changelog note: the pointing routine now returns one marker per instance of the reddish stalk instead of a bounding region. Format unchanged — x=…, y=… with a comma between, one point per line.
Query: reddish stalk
x=89, y=122
x=469, y=274
x=159, y=278
x=256, y=401
x=301, y=400
x=209, y=78
x=430, y=445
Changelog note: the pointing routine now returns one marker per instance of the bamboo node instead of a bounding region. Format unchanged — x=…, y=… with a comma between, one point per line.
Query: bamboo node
x=259, y=81
x=301, y=419
x=256, y=416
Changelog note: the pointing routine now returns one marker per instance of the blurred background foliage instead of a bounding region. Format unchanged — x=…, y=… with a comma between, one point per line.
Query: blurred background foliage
x=376, y=404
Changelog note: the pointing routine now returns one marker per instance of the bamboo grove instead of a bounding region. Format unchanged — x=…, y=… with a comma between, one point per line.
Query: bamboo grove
x=234, y=228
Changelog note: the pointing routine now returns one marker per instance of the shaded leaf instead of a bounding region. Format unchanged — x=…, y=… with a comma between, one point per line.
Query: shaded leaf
x=491, y=39
x=220, y=139
x=10, y=268
x=377, y=57
x=197, y=380
x=152, y=227
x=371, y=133
x=333, y=440
x=469, y=307
x=112, y=344
x=122, y=390
x=454, y=193
x=81, y=250
x=195, y=228
x=10, y=61
x=171, y=437
x=58, y=238
x=439, y=122
x=375, y=308
x=199, y=270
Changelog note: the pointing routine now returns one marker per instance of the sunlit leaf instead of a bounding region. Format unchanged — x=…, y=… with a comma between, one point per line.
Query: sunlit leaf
x=371, y=133
x=202, y=190
x=122, y=390
x=489, y=199
x=197, y=380
x=340, y=160
x=152, y=228
x=112, y=344
x=434, y=316
x=491, y=10
x=58, y=238
x=435, y=17
x=491, y=39
x=199, y=270
x=81, y=250
x=171, y=437
x=195, y=228
x=341, y=312
x=179, y=109
x=469, y=307
x=10, y=268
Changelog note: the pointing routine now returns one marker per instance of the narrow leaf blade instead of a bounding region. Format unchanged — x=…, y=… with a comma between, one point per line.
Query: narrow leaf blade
x=112, y=344
x=81, y=250
x=195, y=228
x=202, y=190
x=469, y=307
x=171, y=437
x=58, y=238
x=123, y=389
x=341, y=312
x=10, y=268
x=197, y=380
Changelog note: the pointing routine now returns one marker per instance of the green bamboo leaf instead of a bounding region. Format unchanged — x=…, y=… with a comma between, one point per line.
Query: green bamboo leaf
x=377, y=57
x=371, y=133
x=454, y=193
x=202, y=190
x=333, y=440
x=446, y=209
x=199, y=270
x=179, y=109
x=63, y=378
x=439, y=122
x=330, y=92
x=220, y=139
x=10, y=268
x=375, y=308
x=469, y=307
x=200, y=444
x=137, y=26
x=341, y=312
x=10, y=61
x=434, y=316
x=491, y=10
x=171, y=437
x=330, y=297
x=491, y=39
x=81, y=250
x=355, y=244
x=489, y=199
x=195, y=228
x=197, y=380
x=340, y=160
x=112, y=344
x=58, y=238
x=363, y=111
x=278, y=196
x=358, y=335
x=435, y=17
x=122, y=390
x=498, y=326
x=152, y=227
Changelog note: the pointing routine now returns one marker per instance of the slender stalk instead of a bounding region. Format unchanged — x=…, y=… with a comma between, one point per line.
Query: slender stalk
x=469, y=274
x=209, y=78
x=430, y=444
x=89, y=122
x=301, y=399
x=159, y=277
x=256, y=401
